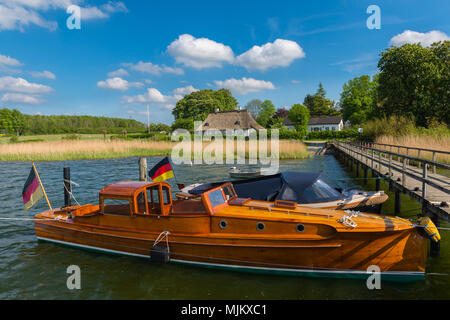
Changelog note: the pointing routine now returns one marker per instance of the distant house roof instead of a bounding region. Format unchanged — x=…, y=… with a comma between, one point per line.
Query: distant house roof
x=232, y=120
x=324, y=120
x=287, y=122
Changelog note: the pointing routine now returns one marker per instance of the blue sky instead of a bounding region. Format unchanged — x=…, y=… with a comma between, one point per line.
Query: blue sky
x=128, y=54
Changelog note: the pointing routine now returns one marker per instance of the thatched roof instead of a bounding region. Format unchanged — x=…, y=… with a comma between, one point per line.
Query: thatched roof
x=232, y=120
x=324, y=120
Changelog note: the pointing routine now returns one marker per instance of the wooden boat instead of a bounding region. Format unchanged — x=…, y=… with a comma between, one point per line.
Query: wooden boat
x=236, y=173
x=307, y=189
x=220, y=230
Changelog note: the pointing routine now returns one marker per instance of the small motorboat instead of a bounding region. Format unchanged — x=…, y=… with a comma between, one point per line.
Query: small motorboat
x=304, y=188
x=236, y=173
x=217, y=228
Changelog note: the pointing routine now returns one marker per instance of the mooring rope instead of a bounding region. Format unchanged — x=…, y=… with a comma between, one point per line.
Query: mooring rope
x=70, y=192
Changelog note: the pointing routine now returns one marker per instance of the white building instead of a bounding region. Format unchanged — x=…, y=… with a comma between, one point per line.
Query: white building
x=325, y=124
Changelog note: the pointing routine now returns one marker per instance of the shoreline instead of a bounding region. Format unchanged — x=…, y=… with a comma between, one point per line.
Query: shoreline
x=100, y=149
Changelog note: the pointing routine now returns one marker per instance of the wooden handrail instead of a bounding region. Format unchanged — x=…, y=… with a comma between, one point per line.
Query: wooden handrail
x=407, y=147
x=424, y=179
x=430, y=162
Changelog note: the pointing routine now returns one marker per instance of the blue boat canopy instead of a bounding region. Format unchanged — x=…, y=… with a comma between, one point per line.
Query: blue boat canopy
x=301, y=187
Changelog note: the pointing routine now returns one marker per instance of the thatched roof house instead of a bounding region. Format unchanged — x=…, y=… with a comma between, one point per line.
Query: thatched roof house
x=230, y=120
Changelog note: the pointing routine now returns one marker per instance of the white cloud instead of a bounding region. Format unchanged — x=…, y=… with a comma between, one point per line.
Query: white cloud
x=148, y=67
x=13, y=17
x=21, y=85
x=152, y=95
x=118, y=84
x=21, y=98
x=91, y=13
x=425, y=39
x=245, y=85
x=294, y=81
x=43, y=74
x=199, y=53
x=8, y=61
x=185, y=90
x=118, y=73
x=114, y=6
x=18, y=14
x=280, y=53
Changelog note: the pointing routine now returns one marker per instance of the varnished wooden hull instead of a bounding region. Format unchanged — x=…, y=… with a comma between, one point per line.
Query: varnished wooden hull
x=399, y=254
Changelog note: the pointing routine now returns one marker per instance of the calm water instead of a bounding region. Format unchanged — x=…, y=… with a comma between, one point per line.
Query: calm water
x=36, y=270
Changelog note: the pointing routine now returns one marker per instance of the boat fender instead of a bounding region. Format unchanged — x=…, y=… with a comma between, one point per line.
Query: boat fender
x=160, y=253
x=430, y=228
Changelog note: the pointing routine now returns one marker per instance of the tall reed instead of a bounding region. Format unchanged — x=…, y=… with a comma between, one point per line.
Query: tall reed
x=98, y=149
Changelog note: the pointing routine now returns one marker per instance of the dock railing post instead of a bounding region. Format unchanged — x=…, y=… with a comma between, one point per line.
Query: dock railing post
x=418, y=156
x=403, y=172
x=424, y=184
x=390, y=164
x=434, y=159
x=142, y=169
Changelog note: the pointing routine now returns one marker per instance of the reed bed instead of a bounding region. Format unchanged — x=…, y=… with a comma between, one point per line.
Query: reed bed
x=99, y=149
x=433, y=142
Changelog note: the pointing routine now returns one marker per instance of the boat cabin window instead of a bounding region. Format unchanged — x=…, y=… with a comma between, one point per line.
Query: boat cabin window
x=153, y=200
x=166, y=195
x=156, y=194
x=120, y=207
x=141, y=203
x=229, y=191
x=216, y=198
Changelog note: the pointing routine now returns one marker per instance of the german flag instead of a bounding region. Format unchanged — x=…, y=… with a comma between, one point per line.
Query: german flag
x=161, y=171
x=32, y=190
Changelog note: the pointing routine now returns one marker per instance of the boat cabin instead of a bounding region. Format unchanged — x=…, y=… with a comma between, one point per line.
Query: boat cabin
x=155, y=198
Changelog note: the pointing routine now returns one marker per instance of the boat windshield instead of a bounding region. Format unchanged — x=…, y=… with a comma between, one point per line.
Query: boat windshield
x=319, y=191
x=229, y=191
x=216, y=198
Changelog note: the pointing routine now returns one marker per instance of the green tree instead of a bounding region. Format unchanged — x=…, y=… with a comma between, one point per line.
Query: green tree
x=183, y=123
x=265, y=116
x=358, y=99
x=254, y=107
x=197, y=105
x=319, y=104
x=299, y=115
x=414, y=82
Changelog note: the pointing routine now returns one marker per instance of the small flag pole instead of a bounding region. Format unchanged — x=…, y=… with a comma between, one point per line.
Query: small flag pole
x=174, y=175
x=42, y=186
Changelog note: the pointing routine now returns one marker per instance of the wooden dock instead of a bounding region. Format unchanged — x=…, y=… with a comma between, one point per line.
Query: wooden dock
x=425, y=180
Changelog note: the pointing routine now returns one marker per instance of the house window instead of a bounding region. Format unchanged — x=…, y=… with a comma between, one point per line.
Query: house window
x=237, y=122
x=206, y=124
x=333, y=128
x=327, y=128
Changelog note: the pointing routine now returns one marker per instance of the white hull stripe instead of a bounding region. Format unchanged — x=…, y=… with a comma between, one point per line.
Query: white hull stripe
x=237, y=267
